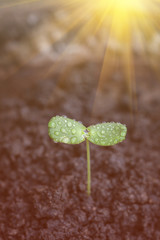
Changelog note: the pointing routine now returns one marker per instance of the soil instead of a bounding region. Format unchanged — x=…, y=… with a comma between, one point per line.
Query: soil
x=43, y=184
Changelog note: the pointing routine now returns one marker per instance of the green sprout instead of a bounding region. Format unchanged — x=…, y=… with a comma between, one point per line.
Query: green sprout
x=66, y=130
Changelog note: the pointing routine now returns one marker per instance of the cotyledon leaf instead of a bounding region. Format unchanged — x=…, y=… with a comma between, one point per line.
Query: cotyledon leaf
x=65, y=130
x=107, y=134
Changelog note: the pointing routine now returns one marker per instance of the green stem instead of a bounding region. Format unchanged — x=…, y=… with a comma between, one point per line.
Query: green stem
x=88, y=168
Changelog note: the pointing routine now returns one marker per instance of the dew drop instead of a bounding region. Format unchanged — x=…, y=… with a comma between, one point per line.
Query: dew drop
x=73, y=131
x=123, y=134
x=102, y=131
x=69, y=124
x=73, y=140
x=56, y=133
x=65, y=140
x=63, y=130
x=96, y=140
x=52, y=124
x=100, y=135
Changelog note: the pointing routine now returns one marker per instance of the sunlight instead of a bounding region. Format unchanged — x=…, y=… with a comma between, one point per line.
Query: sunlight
x=124, y=17
x=120, y=27
x=128, y=26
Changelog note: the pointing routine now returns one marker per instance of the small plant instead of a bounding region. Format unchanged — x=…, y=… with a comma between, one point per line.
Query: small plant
x=66, y=130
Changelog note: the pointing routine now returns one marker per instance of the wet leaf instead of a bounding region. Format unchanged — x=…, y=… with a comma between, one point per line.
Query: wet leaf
x=65, y=130
x=107, y=134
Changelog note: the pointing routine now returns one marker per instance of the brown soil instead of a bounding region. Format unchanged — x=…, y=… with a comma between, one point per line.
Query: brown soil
x=43, y=184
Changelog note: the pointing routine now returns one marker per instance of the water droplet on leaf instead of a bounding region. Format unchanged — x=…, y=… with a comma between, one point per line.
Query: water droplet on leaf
x=123, y=134
x=65, y=140
x=56, y=133
x=69, y=124
x=73, y=131
x=52, y=124
x=63, y=130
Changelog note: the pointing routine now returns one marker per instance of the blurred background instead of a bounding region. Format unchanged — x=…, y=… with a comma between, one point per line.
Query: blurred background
x=93, y=61
x=40, y=40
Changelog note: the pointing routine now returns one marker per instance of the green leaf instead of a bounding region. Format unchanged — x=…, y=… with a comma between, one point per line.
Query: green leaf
x=65, y=130
x=107, y=134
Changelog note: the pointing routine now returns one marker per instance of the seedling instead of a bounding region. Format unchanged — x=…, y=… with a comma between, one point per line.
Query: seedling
x=66, y=130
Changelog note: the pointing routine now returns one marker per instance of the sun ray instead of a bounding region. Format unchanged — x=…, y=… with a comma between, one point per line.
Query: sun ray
x=130, y=27
x=126, y=22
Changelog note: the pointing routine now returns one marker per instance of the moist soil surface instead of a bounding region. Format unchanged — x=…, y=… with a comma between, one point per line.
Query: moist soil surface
x=43, y=184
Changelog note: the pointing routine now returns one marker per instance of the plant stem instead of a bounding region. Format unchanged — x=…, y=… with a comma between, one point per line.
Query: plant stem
x=88, y=168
